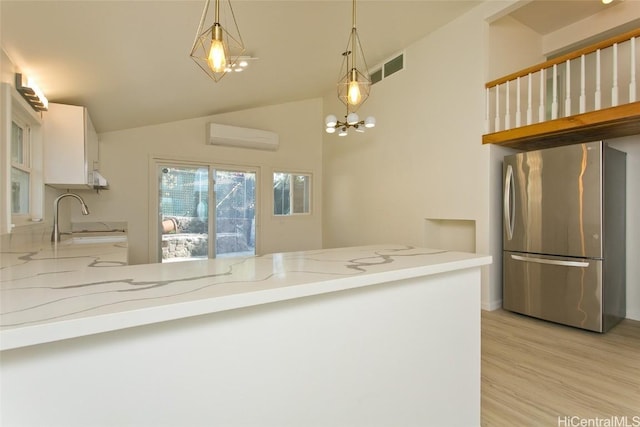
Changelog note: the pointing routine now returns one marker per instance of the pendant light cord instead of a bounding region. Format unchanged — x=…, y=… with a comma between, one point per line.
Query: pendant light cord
x=353, y=13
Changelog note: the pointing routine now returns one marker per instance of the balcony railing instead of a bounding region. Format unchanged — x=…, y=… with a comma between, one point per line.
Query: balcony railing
x=587, y=94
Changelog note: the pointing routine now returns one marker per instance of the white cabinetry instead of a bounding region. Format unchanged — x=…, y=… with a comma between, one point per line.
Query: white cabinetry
x=70, y=147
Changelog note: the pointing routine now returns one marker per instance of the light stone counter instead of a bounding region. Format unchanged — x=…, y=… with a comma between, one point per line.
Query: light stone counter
x=363, y=336
x=64, y=292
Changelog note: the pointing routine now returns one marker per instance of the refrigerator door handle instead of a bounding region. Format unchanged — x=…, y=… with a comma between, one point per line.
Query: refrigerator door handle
x=509, y=189
x=581, y=264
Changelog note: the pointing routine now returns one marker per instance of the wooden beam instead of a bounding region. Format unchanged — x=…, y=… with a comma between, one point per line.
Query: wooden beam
x=614, y=122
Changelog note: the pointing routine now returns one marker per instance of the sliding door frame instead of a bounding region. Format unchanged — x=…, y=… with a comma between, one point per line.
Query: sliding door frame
x=155, y=223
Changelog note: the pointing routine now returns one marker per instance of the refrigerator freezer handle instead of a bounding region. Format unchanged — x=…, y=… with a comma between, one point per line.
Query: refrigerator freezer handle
x=509, y=215
x=581, y=264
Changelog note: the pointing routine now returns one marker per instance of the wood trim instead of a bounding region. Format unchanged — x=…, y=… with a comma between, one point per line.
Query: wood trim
x=572, y=55
x=614, y=122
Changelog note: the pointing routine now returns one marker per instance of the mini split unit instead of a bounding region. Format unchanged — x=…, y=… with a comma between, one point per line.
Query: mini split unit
x=233, y=136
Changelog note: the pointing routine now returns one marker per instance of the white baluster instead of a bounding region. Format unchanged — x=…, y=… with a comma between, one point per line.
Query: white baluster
x=554, y=101
x=486, y=112
x=541, y=105
x=497, y=119
x=567, y=100
x=529, y=96
x=614, y=89
x=598, y=94
x=583, y=89
x=507, y=107
x=632, y=83
x=518, y=111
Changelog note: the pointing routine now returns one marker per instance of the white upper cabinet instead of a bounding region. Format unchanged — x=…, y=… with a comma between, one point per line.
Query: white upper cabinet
x=70, y=147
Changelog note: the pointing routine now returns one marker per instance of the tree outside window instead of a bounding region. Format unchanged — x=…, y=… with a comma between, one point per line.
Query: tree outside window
x=291, y=193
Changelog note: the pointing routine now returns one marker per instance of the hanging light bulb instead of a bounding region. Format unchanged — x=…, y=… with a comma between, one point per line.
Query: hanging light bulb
x=217, y=60
x=217, y=49
x=353, y=87
x=354, y=96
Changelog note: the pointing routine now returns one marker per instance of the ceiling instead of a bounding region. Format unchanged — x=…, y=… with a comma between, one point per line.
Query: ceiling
x=543, y=19
x=128, y=61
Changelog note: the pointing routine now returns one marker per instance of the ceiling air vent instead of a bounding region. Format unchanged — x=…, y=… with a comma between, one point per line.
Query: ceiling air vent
x=388, y=68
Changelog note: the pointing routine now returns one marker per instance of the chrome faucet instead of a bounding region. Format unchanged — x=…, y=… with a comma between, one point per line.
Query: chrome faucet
x=55, y=234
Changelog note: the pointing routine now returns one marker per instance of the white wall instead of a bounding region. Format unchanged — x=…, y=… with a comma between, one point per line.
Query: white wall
x=631, y=146
x=43, y=196
x=125, y=157
x=425, y=158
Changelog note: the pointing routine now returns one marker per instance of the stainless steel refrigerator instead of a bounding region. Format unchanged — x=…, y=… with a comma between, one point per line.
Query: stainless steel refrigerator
x=564, y=235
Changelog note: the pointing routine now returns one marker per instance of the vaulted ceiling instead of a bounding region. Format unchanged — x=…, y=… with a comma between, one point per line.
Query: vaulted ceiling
x=128, y=61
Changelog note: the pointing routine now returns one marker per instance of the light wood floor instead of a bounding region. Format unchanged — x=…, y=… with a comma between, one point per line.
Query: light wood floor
x=534, y=372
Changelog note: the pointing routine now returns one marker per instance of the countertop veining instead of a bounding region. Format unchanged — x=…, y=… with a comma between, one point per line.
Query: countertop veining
x=43, y=300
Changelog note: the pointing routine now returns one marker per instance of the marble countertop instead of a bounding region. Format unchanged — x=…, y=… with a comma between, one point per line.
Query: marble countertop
x=46, y=300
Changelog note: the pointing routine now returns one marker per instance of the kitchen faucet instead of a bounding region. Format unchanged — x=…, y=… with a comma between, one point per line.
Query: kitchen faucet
x=55, y=234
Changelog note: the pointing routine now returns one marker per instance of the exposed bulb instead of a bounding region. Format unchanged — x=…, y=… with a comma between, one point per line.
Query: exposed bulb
x=217, y=60
x=370, y=122
x=354, y=96
x=331, y=120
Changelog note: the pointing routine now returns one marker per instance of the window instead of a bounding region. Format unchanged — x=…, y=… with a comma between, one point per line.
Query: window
x=20, y=169
x=291, y=193
x=23, y=190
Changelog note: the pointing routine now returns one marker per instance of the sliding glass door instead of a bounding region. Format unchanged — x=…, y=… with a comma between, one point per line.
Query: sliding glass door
x=199, y=200
x=235, y=209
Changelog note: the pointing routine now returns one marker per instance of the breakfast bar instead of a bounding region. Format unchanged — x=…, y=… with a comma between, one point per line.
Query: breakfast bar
x=362, y=336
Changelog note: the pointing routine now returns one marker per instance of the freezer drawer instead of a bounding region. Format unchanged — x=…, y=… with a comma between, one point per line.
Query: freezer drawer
x=558, y=289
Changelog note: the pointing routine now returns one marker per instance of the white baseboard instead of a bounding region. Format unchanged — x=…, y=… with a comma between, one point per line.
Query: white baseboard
x=491, y=305
x=494, y=305
x=633, y=314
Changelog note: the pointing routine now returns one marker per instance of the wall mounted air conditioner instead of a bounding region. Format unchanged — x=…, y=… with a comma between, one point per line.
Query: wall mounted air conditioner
x=233, y=136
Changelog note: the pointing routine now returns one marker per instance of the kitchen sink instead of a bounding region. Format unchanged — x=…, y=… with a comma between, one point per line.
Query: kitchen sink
x=90, y=237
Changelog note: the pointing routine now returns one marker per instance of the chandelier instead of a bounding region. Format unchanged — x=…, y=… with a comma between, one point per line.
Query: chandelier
x=354, y=86
x=350, y=120
x=218, y=48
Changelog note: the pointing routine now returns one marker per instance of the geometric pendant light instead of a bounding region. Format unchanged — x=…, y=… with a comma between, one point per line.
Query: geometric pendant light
x=218, y=47
x=354, y=85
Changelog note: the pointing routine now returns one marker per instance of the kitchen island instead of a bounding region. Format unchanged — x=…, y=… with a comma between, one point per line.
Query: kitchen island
x=375, y=335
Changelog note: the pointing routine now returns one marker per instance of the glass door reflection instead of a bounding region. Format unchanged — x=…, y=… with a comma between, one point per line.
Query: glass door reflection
x=184, y=212
x=235, y=193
